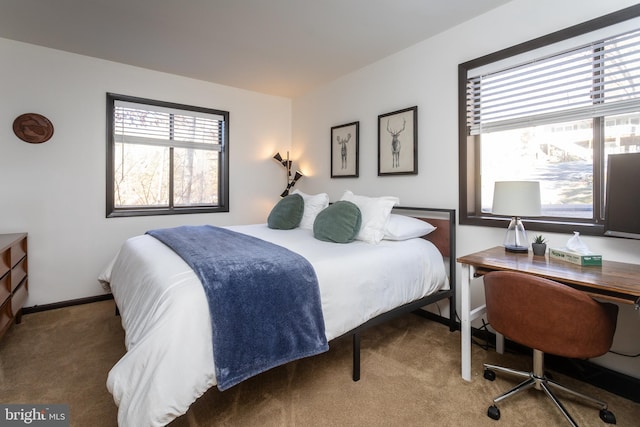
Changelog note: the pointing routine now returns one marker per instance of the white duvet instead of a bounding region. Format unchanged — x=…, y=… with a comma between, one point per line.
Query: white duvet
x=165, y=315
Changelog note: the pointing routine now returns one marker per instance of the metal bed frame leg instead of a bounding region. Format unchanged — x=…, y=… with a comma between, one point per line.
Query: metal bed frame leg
x=356, y=356
x=453, y=326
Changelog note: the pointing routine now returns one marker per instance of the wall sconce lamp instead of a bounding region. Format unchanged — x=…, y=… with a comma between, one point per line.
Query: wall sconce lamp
x=516, y=199
x=291, y=181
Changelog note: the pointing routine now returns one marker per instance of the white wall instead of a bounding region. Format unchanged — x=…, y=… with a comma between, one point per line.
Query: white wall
x=55, y=191
x=426, y=75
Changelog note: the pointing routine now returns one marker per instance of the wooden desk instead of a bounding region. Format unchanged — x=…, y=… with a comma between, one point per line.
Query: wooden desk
x=614, y=281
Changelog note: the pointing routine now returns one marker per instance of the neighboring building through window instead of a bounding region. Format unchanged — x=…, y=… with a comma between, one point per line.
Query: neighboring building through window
x=551, y=110
x=165, y=158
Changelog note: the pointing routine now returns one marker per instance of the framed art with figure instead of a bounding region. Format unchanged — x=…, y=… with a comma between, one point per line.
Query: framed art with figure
x=344, y=150
x=398, y=142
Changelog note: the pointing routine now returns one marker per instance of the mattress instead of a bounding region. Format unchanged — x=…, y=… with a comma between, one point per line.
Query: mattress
x=164, y=311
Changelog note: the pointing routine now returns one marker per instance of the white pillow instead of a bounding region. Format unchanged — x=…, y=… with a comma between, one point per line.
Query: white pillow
x=402, y=227
x=375, y=214
x=313, y=204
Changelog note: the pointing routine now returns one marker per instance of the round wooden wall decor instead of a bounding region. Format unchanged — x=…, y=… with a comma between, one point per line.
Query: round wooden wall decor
x=33, y=128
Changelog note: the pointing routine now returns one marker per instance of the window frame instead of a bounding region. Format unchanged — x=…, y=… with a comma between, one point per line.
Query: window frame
x=469, y=150
x=223, y=160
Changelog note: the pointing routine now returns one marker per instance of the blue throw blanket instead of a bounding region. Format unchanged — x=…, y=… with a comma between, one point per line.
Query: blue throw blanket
x=263, y=299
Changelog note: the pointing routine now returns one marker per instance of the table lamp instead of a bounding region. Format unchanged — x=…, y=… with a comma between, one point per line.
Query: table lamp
x=516, y=199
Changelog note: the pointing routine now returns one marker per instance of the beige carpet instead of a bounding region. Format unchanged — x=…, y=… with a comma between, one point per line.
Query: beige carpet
x=410, y=377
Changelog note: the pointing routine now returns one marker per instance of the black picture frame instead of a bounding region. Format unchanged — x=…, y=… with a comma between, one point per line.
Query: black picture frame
x=345, y=140
x=398, y=155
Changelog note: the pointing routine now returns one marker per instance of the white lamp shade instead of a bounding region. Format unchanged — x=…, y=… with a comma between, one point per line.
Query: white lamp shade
x=516, y=198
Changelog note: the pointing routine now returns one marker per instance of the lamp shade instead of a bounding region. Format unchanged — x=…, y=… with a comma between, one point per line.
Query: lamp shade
x=516, y=198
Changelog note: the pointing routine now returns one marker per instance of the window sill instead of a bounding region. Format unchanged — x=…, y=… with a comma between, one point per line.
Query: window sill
x=121, y=213
x=542, y=225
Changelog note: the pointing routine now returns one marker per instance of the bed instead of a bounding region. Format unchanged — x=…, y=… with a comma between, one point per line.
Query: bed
x=169, y=361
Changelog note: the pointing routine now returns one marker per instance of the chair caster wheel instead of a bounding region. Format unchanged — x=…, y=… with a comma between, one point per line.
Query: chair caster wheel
x=607, y=416
x=489, y=375
x=493, y=412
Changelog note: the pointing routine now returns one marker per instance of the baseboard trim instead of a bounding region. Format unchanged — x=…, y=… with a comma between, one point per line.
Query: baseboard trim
x=434, y=317
x=68, y=303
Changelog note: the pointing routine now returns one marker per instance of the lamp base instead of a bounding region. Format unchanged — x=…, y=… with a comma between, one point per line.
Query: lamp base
x=516, y=249
x=516, y=238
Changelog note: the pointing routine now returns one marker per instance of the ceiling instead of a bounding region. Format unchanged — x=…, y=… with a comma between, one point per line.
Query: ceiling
x=278, y=47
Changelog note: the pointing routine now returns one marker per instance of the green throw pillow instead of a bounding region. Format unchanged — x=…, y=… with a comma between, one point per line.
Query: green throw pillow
x=287, y=213
x=339, y=223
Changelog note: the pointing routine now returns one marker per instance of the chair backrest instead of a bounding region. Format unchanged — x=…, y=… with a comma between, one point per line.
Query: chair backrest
x=548, y=316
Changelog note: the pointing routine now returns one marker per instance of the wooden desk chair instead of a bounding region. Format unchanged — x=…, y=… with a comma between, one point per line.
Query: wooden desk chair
x=548, y=317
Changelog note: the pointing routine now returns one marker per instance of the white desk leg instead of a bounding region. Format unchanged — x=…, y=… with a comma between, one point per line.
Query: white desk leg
x=467, y=315
x=499, y=343
x=465, y=321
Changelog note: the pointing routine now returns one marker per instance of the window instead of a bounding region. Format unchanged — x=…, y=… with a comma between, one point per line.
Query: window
x=551, y=110
x=165, y=158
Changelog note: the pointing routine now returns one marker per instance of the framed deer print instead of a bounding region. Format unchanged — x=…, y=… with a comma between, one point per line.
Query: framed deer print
x=344, y=150
x=398, y=142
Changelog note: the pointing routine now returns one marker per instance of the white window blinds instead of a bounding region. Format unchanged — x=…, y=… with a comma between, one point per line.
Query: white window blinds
x=156, y=125
x=598, y=79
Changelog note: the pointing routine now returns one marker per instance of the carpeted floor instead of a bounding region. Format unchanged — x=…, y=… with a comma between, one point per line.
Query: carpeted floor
x=410, y=377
